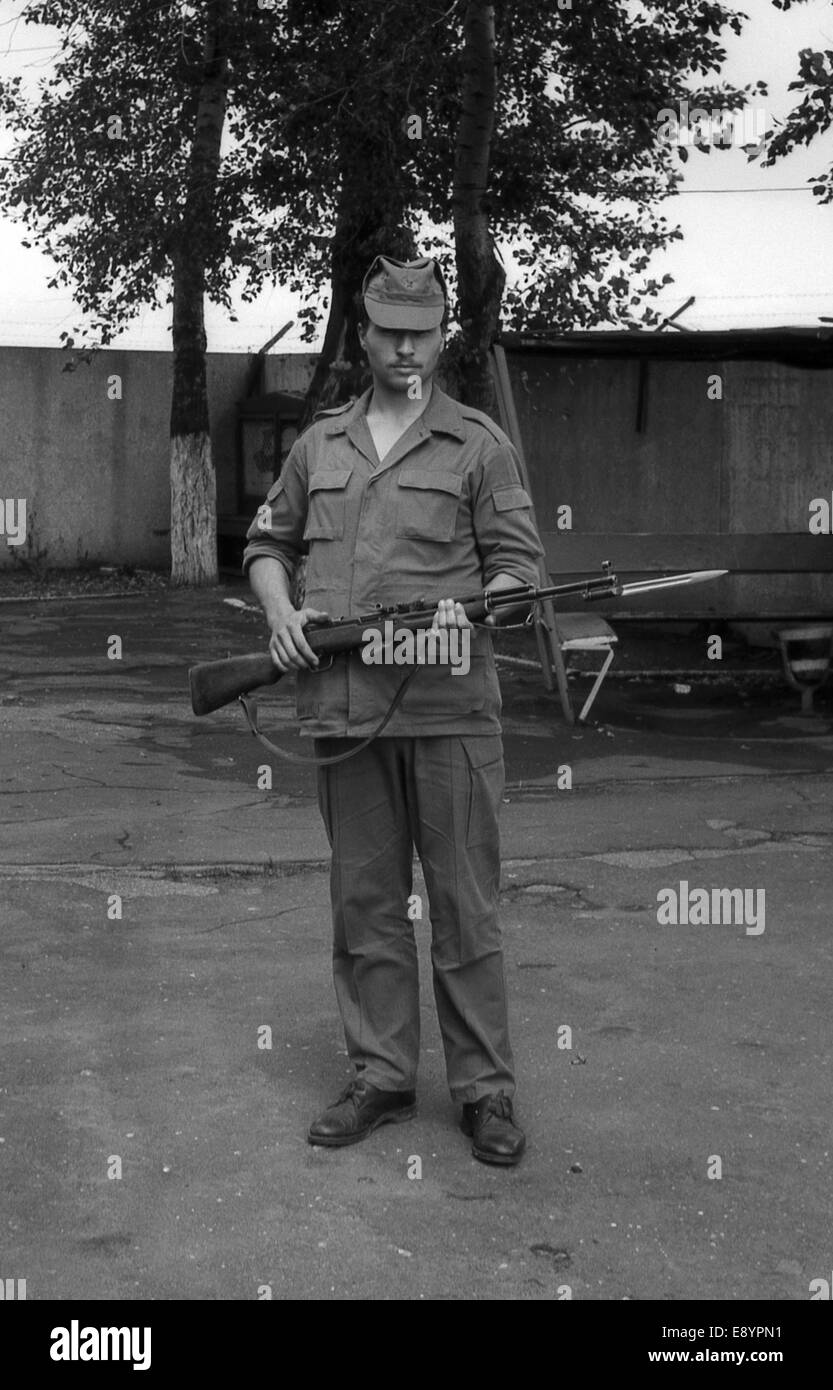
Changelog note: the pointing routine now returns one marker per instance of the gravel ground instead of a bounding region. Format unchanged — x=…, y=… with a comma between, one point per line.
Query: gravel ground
x=88, y=583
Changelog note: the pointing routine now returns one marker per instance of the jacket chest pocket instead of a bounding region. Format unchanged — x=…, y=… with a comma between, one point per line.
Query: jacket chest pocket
x=326, y=504
x=427, y=504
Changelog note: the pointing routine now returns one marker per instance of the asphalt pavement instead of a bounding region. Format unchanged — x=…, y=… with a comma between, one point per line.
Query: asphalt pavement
x=169, y=1027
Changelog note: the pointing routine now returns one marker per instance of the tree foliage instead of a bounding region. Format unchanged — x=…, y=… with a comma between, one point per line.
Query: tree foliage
x=812, y=115
x=101, y=171
x=320, y=153
x=577, y=172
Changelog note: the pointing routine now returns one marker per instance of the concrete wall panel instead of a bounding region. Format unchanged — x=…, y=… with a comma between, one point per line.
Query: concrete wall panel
x=94, y=470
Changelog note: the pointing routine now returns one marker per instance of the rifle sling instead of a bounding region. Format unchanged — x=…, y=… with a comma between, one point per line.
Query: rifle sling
x=249, y=704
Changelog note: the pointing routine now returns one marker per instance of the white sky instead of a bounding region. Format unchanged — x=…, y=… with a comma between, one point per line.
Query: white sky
x=756, y=251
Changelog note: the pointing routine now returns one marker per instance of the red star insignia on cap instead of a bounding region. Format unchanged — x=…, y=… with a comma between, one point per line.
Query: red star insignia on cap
x=408, y=282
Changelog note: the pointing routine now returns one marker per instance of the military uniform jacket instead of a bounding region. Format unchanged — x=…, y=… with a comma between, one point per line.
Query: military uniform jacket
x=439, y=517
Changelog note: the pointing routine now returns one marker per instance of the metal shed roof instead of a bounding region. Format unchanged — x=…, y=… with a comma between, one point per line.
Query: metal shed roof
x=802, y=347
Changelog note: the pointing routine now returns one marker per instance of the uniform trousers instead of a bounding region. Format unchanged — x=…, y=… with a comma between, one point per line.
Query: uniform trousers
x=441, y=796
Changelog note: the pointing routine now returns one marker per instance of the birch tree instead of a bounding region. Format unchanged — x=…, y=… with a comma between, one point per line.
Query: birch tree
x=119, y=174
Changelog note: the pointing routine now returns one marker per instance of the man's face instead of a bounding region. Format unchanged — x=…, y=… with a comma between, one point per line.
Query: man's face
x=397, y=355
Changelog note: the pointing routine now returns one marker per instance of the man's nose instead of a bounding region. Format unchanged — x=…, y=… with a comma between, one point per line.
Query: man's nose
x=405, y=346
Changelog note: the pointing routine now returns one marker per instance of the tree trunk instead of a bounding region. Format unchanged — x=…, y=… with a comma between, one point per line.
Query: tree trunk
x=480, y=277
x=368, y=223
x=193, y=479
x=322, y=391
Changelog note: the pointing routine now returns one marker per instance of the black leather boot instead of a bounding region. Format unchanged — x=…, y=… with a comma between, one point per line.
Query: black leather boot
x=495, y=1136
x=359, y=1110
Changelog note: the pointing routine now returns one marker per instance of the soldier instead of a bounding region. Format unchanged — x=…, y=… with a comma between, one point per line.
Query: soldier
x=400, y=493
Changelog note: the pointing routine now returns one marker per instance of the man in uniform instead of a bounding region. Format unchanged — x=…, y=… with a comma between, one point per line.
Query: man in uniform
x=400, y=495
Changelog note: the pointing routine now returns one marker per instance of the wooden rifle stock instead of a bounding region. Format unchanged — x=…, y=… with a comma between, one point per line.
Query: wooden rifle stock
x=217, y=683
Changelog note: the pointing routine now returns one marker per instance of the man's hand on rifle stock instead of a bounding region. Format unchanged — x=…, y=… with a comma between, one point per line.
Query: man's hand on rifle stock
x=449, y=614
x=288, y=647
x=516, y=613
x=452, y=614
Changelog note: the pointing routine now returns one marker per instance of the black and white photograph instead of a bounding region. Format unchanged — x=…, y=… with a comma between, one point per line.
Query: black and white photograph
x=416, y=632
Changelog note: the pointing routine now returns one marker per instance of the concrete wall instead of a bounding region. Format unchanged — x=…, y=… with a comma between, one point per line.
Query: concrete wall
x=94, y=470
x=777, y=456
x=743, y=466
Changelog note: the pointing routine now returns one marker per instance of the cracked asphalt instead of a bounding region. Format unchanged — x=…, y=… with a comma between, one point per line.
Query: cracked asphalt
x=161, y=1065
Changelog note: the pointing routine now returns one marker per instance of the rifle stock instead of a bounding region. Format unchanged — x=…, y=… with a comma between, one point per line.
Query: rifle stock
x=217, y=683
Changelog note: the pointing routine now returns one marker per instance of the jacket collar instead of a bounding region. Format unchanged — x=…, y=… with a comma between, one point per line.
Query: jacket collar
x=441, y=416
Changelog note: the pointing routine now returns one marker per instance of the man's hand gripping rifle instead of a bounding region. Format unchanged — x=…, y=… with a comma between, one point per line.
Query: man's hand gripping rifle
x=217, y=683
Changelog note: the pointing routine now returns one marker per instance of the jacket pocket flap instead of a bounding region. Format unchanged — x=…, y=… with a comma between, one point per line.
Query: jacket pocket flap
x=329, y=479
x=507, y=499
x=432, y=479
x=482, y=750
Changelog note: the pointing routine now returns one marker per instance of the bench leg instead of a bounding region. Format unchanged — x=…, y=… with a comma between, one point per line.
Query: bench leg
x=561, y=678
x=585, y=709
x=543, y=637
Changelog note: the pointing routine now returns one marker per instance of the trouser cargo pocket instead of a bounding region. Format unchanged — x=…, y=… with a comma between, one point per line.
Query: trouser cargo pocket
x=487, y=780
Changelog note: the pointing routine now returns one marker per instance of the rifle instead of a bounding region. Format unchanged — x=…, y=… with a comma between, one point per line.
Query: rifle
x=217, y=683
